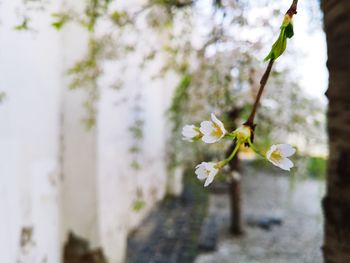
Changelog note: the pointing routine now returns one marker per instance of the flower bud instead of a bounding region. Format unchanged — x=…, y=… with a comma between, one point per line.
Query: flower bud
x=243, y=133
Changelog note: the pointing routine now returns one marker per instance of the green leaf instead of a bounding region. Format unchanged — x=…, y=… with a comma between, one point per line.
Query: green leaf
x=179, y=101
x=278, y=47
x=61, y=20
x=281, y=43
x=138, y=205
x=23, y=25
x=289, y=30
x=57, y=25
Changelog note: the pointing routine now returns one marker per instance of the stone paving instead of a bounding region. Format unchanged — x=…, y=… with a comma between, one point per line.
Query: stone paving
x=170, y=233
x=297, y=240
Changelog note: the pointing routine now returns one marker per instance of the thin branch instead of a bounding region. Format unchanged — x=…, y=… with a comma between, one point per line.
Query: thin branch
x=293, y=8
x=250, y=122
x=263, y=81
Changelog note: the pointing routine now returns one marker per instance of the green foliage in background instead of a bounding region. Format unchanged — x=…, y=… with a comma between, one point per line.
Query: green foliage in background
x=317, y=167
x=179, y=102
x=307, y=167
x=138, y=205
x=218, y=72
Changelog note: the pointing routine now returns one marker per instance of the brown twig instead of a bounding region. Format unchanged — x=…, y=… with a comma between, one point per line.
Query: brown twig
x=250, y=122
x=293, y=8
x=263, y=81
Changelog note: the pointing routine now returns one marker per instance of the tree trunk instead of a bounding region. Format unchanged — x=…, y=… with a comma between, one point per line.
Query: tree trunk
x=336, y=204
x=236, y=226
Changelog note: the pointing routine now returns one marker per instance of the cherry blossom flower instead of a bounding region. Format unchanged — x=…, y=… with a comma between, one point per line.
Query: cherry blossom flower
x=213, y=130
x=278, y=156
x=206, y=171
x=190, y=132
x=242, y=134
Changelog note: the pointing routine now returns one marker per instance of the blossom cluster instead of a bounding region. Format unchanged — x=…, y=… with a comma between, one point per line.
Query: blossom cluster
x=213, y=131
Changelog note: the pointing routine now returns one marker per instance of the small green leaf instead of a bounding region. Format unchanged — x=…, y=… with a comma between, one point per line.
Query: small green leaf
x=289, y=30
x=61, y=20
x=58, y=25
x=278, y=47
x=22, y=26
x=138, y=205
x=281, y=43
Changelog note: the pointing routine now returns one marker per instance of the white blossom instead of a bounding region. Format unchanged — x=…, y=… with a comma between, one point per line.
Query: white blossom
x=242, y=133
x=278, y=156
x=206, y=171
x=190, y=132
x=213, y=130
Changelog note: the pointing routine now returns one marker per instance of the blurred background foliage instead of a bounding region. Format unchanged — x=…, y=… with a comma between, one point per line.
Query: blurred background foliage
x=216, y=50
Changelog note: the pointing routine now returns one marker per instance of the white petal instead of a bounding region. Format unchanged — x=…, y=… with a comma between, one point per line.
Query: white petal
x=201, y=171
x=189, y=131
x=209, y=139
x=212, y=172
x=273, y=162
x=286, y=149
x=210, y=178
x=202, y=176
x=222, y=135
x=219, y=123
x=201, y=164
x=285, y=164
x=207, y=127
x=270, y=151
x=209, y=166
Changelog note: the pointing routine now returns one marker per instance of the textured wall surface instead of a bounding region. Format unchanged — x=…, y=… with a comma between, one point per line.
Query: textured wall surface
x=29, y=139
x=57, y=177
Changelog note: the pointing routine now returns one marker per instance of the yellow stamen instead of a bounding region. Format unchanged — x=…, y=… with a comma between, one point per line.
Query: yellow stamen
x=276, y=155
x=217, y=132
x=243, y=133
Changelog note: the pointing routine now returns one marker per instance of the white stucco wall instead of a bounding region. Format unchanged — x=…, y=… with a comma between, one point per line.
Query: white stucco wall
x=55, y=176
x=118, y=183
x=29, y=138
x=79, y=175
